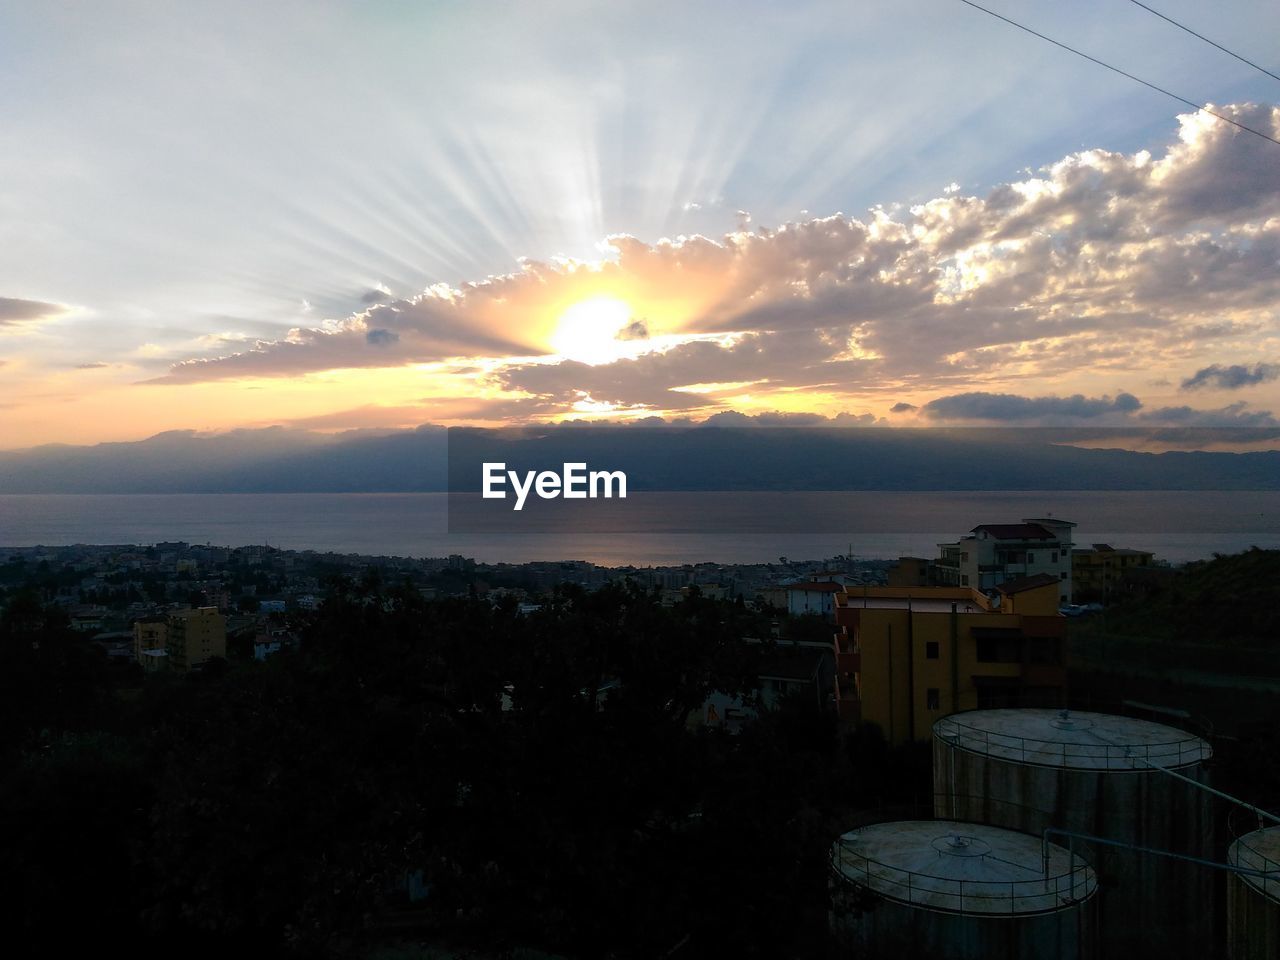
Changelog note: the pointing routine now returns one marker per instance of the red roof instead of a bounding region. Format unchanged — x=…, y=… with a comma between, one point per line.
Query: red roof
x=1016, y=531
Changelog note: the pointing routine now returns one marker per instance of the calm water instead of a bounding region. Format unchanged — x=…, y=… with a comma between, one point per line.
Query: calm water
x=661, y=529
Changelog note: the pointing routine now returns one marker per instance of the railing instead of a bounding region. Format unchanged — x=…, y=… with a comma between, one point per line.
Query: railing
x=1039, y=893
x=1059, y=753
x=1247, y=853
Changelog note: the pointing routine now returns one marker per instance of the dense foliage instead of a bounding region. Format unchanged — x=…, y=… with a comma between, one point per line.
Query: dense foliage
x=453, y=750
x=1232, y=600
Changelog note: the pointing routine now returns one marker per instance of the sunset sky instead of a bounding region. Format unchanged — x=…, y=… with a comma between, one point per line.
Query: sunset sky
x=380, y=214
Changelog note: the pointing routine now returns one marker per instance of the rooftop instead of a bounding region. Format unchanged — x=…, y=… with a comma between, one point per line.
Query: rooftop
x=962, y=867
x=1072, y=740
x=1023, y=584
x=1259, y=850
x=1016, y=531
x=916, y=599
x=817, y=586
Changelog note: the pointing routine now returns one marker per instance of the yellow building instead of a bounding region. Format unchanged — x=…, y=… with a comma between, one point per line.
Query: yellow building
x=1098, y=570
x=906, y=656
x=149, y=635
x=196, y=636
x=181, y=641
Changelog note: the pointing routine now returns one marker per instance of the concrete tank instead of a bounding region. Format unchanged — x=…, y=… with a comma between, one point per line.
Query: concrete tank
x=958, y=891
x=1253, y=903
x=1096, y=774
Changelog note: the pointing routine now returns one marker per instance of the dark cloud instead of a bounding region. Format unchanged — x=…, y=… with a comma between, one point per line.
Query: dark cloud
x=635, y=330
x=1232, y=415
x=13, y=311
x=903, y=407
x=1005, y=407
x=1231, y=378
x=374, y=295
x=655, y=379
x=732, y=418
x=380, y=337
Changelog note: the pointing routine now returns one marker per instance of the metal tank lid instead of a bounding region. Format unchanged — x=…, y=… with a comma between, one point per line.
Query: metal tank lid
x=1072, y=739
x=961, y=867
x=1259, y=850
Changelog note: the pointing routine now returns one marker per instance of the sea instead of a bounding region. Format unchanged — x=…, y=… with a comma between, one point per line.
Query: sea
x=656, y=529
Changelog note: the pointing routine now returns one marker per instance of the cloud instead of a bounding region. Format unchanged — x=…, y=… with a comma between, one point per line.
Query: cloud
x=14, y=311
x=1231, y=378
x=903, y=407
x=635, y=330
x=1122, y=265
x=732, y=418
x=1011, y=407
x=691, y=375
x=97, y=365
x=375, y=295
x=1232, y=415
x=369, y=416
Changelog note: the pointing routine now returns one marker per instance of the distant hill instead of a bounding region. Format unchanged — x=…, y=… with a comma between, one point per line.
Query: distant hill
x=271, y=460
x=279, y=460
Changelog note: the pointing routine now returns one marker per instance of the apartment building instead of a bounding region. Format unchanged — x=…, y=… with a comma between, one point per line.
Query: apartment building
x=906, y=656
x=995, y=553
x=196, y=636
x=1098, y=570
x=182, y=640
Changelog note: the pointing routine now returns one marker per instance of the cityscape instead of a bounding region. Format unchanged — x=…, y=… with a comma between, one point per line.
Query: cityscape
x=640, y=481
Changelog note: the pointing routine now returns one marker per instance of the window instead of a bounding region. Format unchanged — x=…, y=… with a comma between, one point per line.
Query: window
x=932, y=700
x=1031, y=558
x=1045, y=650
x=998, y=650
x=931, y=650
x=1062, y=576
x=964, y=579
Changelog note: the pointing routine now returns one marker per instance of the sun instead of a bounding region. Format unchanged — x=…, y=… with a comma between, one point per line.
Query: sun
x=588, y=331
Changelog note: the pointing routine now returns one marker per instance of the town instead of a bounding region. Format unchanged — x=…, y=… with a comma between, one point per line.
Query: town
x=432, y=750
x=176, y=605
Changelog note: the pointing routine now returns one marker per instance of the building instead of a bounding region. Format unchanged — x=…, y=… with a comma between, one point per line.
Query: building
x=196, y=636
x=994, y=553
x=149, y=634
x=813, y=596
x=912, y=572
x=1097, y=571
x=908, y=656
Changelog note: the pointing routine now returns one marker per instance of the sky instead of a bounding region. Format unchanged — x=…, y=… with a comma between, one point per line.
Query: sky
x=342, y=215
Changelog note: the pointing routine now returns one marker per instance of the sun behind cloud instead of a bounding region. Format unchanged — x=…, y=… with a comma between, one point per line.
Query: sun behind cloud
x=589, y=331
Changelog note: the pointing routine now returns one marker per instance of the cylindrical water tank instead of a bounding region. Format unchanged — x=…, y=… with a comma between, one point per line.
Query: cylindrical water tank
x=959, y=891
x=1253, y=902
x=1100, y=775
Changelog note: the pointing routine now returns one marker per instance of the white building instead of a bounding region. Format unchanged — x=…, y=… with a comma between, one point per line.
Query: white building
x=993, y=553
x=813, y=596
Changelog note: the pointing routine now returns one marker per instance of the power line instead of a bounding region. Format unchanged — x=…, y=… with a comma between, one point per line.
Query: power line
x=1201, y=36
x=1101, y=63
